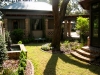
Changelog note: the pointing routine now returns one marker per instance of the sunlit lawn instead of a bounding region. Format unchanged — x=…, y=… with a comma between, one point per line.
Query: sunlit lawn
x=58, y=64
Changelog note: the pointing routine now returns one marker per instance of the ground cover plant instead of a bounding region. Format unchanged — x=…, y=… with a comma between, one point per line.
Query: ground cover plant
x=46, y=63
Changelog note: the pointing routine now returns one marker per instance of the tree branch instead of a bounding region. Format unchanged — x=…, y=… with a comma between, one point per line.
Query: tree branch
x=63, y=9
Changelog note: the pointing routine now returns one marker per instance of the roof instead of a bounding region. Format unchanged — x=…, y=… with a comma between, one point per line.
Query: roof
x=85, y=4
x=27, y=5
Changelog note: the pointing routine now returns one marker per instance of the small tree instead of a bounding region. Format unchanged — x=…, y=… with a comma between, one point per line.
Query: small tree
x=83, y=26
x=3, y=50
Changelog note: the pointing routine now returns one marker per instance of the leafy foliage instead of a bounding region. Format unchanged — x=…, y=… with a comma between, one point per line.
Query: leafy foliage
x=20, y=71
x=46, y=47
x=72, y=45
x=17, y=35
x=3, y=50
x=9, y=72
x=82, y=25
x=28, y=40
x=22, y=64
x=19, y=42
x=66, y=43
x=75, y=45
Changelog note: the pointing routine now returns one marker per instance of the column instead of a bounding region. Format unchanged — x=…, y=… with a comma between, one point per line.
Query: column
x=65, y=30
x=4, y=34
x=5, y=24
x=1, y=24
x=27, y=27
x=69, y=28
x=88, y=41
x=46, y=27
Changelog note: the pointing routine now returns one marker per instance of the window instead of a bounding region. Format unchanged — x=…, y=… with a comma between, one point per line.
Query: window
x=15, y=24
x=50, y=24
x=36, y=24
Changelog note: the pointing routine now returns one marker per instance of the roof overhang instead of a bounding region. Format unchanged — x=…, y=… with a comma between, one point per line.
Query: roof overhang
x=25, y=12
x=85, y=4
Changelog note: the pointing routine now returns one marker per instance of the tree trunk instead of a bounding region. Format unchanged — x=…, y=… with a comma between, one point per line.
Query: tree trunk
x=58, y=19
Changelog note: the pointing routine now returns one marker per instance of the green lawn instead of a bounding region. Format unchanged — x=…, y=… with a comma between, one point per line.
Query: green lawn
x=58, y=64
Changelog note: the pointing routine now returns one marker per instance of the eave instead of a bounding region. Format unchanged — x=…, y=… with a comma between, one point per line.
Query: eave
x=85, y=4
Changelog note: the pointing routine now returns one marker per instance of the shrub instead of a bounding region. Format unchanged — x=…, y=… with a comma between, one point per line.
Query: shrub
x=22, y=62
x=22, y=59
x=75, y=45
x=46, y=46
x=20, y=70
x=72, y=45
x=25, y=41
x=9, y=72
x=83, y=26
x=3, y=50
x=17, y=35
x=19, y=42
x=66, y=43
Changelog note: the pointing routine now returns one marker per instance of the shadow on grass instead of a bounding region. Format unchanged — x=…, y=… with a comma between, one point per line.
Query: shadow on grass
x=51, y=65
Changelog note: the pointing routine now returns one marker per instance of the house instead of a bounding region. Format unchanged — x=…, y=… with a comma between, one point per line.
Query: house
x=93, y=6
x=34, y=18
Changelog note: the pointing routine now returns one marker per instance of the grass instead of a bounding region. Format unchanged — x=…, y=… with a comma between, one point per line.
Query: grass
x=58, y=64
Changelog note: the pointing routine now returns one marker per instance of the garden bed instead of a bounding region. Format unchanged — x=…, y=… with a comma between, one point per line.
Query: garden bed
x=13, y=65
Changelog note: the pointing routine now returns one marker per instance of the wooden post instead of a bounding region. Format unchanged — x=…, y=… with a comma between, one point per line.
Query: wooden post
x=1, y=27
x=65, y=30
x=4, y=34
x=46, y=27
x=88, y=41
x=69, y=28
x=27, y=27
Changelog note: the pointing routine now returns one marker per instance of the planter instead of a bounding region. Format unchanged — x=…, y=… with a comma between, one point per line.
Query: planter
x=15, y=51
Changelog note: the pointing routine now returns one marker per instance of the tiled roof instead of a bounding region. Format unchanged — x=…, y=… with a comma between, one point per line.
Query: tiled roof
x=30, y=6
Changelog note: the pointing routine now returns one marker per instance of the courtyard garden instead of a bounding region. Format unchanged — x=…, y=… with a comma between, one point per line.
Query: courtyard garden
x=45, y=61
x=39, y=42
